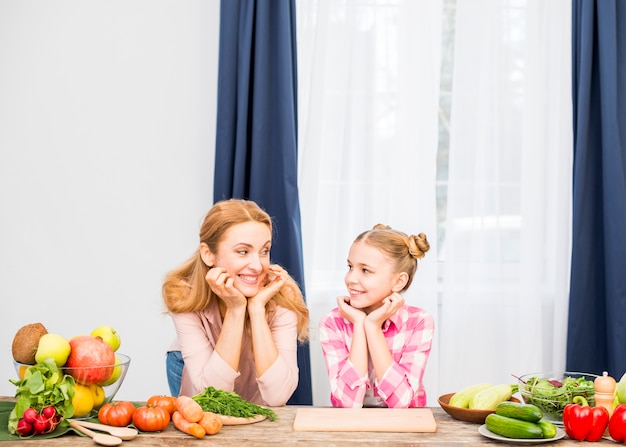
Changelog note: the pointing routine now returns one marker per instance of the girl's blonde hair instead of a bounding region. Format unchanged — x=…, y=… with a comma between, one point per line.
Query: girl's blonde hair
x=403, y=250
x=185, y=288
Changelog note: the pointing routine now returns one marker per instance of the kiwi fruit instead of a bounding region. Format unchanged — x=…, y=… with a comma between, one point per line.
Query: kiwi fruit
x=26, y=341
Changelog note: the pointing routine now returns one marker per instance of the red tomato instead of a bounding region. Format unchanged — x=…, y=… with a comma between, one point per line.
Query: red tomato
x=167, y=402
x=119, y=414
x=151, y=418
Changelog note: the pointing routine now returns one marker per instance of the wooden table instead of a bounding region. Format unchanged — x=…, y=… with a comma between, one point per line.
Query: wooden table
x=450, y=432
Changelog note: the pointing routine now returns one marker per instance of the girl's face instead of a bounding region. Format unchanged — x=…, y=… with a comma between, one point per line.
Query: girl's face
x=244, y=253
x=370, y=277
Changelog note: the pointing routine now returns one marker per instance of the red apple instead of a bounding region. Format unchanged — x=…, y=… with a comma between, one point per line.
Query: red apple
x=91, y=359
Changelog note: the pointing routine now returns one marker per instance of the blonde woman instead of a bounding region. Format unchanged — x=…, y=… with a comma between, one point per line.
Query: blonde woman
x=238, y=318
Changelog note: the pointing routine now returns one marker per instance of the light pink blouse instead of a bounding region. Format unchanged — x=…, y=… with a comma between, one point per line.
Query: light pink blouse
x=196, y=336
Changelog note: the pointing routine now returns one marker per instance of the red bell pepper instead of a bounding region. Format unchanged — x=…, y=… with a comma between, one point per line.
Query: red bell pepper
x=584, y=423
x=617, y=424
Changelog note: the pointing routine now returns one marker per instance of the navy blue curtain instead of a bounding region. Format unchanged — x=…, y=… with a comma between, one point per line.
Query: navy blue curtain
x=256, y=154
x=597, y=315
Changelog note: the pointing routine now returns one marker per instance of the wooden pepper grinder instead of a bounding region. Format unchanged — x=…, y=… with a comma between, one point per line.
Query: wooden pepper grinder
x=605, y=391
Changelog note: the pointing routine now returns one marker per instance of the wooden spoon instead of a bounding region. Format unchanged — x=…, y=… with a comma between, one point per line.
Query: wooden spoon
x=98, y=438
x=124, y=433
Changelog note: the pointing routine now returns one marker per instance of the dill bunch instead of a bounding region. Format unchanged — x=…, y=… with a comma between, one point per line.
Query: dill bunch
x=229, y=403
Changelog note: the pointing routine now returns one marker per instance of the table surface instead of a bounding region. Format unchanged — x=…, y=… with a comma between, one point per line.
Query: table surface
x=450, y=432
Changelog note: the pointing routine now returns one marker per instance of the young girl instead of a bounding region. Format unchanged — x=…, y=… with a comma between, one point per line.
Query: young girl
x=238, y=318
x=376, y=346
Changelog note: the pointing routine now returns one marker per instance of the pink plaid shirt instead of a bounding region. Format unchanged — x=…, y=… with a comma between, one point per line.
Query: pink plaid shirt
x=409, y=336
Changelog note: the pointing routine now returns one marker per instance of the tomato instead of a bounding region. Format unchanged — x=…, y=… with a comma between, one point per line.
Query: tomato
x=167, y=402
x=151, y=418
x=119, y=414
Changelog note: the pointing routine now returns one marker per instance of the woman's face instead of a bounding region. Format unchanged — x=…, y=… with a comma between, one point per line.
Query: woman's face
x=244, y=253
x=370, y=277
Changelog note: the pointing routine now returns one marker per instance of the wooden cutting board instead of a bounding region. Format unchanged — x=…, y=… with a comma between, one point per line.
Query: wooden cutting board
x=413, y=420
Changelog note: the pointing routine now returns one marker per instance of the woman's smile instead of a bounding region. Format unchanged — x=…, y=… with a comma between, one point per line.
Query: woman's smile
x=249, y=279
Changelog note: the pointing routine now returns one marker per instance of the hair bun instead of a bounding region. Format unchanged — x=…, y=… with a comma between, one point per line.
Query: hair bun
x=418, y=245
x=381, y=227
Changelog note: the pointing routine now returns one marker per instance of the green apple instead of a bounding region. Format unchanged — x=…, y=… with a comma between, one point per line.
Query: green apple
x=117, y=372
x=53, y=346
x=109, y=335
x=620, y=390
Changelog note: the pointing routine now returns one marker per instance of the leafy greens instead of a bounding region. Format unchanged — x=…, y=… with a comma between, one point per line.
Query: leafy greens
x=43, y=385
x=229, y=403
x=553, y=395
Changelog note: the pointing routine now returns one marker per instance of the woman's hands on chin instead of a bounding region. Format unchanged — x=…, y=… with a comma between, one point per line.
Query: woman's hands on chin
x=221, y=283
x=277, y=279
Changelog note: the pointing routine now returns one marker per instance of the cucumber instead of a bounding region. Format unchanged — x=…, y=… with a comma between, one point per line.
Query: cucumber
x=512, y=428
x=548, y=428
x=525, y=412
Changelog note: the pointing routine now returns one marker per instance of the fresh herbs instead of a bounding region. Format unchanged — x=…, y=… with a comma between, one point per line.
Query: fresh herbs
x=229, y=403
x=44, y=385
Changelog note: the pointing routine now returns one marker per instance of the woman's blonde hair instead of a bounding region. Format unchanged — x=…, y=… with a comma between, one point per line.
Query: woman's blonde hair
x=403, y=250
x=185, y=288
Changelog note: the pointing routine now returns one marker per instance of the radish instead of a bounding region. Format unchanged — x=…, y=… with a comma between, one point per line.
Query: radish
x=49, y=412
x=42, y=425
x=29, y=415
x=24, y=428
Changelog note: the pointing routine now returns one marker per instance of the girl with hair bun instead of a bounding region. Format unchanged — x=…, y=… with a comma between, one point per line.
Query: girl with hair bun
x=375, y=345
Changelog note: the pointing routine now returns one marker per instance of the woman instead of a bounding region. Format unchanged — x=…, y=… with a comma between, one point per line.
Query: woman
x=238, y=318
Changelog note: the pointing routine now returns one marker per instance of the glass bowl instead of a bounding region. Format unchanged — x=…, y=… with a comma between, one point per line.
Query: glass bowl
x=552, y=391
x=89, y=397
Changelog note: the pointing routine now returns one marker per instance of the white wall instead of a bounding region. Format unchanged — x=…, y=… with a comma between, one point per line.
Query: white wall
x=107, y=131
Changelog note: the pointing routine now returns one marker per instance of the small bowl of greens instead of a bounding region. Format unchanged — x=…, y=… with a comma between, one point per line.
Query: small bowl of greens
x=552, y=391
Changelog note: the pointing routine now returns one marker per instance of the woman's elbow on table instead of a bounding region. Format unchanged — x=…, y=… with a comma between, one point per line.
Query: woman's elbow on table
x=277, y=390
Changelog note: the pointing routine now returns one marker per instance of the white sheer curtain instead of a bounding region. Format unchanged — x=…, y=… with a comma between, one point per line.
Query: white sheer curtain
x=507, y=241
x=369, y=86
x=371, y=152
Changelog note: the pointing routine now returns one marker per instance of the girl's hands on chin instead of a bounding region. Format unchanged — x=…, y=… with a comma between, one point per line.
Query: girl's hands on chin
x=352, y=314
x=277, y=279
x=389, y=306
x=221, y=283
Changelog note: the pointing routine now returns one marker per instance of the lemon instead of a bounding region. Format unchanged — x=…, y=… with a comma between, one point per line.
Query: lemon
x=117, y=372
x=97, y=392
x=82, y=401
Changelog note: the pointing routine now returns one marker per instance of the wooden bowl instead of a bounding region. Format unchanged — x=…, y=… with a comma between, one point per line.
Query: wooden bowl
x=465, y=414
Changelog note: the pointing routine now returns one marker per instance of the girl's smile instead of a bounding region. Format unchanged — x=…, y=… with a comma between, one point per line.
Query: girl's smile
x=370, y=277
